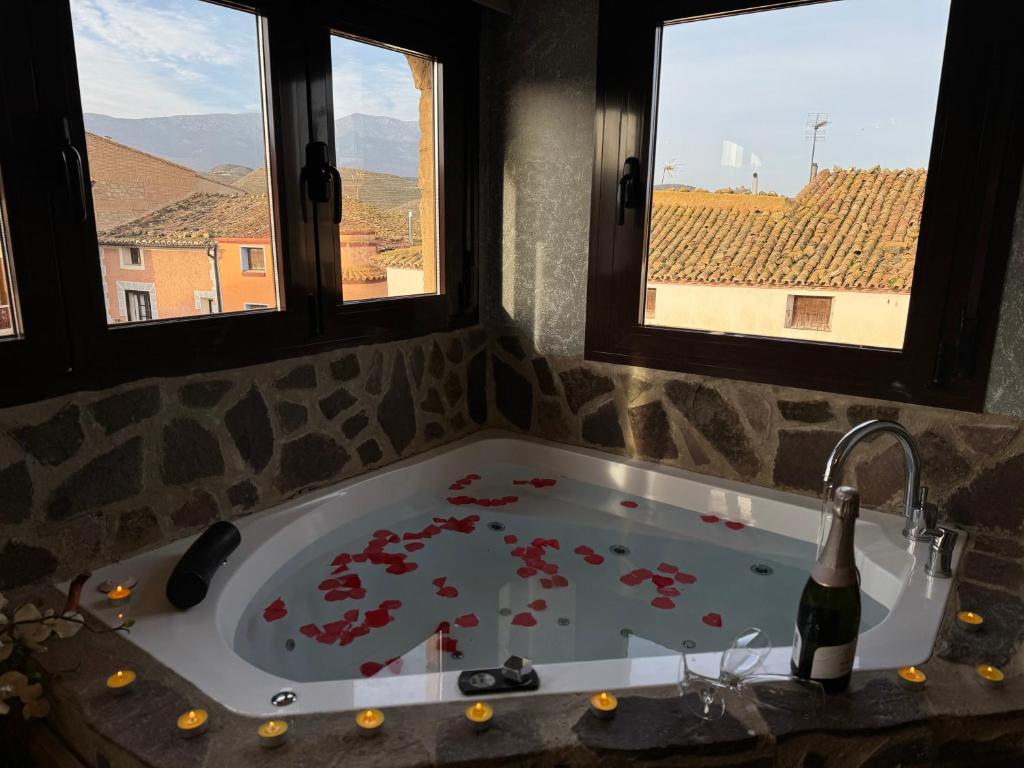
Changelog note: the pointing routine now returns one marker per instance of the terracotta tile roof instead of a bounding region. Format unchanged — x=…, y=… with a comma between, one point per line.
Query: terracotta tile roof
x=197, y=220
x=847, y=229
x=401, y=258
x=362, y=273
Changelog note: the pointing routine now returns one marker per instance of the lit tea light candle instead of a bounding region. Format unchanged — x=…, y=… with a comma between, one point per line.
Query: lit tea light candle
x=119, y=596
x=193, y=723
x=122, y=581
x=912, y=678
x=603, y=705
x=272, y=733
x=480, y=716
x=120, y=682
x=970, y=620
x=989, y=676
x=370, y=722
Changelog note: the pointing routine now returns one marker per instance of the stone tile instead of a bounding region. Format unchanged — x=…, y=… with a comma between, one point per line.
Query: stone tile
x=310, y=459
x=203, y=394
x=806, y=411
x=1001, y=546
x=291, y=416
x=756, y=408
x=431, y=403
x=112, y=476
x=396, y=413
x=435, y=362
x=987, y=439
x=345, y=368
x=513, y=346
x=136, y=529
x=858, y=414
x=417, y=365
x=993, y=571
x=453, y=388
x=582, y=385
x=651, y=431
x=697, y=452
x=375, y=376
x=656, y=727
x=476, y=388
x=15, y=493
x=337, y=402
x=243, y=495
x=248, y=423
x=602, y=427
x=455, y=352
x=200, y=509
x=513, y=395
x=993, y=499
x=433, y=431
x=476, y=338
x=800, y=461
x=1000, y=638
x=190, y=453
x=718, y=422
x=369, y=452
x=55, y=440
x=551, y=421
x=116, y=412
x=518, y=736
x=355, y=424
x=302, y=377
x=23, y=564
x=545, y=378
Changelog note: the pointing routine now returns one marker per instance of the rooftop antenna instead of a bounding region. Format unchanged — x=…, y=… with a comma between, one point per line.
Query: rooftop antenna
x=815, y=131
x=668, y=169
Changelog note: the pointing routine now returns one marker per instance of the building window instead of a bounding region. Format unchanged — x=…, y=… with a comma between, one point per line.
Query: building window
x=253, y=259
x=139, y=306
x=131, y=258
x=649, y=302
x=733, y=214
x=249, y=305
x=809, y=313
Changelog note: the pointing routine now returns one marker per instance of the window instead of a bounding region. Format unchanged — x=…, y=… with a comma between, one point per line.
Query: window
x=6, y=286
x=809, y=313
x=384, y=128
x=253, y=259
x=194, y=146
x=131, y=258
x=650, y=303
x=799, y=182
x=138, y=306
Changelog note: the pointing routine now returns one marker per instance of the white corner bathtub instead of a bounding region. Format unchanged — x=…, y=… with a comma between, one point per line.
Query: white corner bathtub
x=380, y=590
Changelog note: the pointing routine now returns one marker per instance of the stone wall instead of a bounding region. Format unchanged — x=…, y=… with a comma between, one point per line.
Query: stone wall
x=771, y=436
x=93, y=477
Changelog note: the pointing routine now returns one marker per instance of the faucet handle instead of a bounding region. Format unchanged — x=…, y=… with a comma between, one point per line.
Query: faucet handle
x=940, y=553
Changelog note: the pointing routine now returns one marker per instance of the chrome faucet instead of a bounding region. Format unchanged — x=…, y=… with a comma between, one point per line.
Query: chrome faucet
x=919, y=517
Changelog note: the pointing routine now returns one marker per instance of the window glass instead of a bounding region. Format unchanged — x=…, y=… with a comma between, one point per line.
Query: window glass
x=173, y=100
x=384, y=137
x=7, y=327
x=791, y=154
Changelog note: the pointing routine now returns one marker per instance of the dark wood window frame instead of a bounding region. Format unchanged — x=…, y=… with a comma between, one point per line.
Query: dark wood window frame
x=970, y=201
x=53, y=233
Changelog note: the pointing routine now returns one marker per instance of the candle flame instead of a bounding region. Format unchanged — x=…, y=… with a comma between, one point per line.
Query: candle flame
x=192, y=716
x=368, y=716
x=603, y=697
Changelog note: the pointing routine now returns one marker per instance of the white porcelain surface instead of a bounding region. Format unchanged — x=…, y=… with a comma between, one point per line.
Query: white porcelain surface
x=197, y=643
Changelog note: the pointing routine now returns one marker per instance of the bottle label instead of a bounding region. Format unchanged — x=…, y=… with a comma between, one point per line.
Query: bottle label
x=833, y=661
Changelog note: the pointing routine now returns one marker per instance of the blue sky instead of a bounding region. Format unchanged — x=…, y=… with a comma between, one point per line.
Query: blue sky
x=871, y=65
x=152, y=58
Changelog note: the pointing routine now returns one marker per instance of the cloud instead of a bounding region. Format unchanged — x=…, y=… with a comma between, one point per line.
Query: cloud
x=372, y=81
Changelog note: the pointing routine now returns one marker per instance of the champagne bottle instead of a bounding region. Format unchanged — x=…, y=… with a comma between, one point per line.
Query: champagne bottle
x=828, y=620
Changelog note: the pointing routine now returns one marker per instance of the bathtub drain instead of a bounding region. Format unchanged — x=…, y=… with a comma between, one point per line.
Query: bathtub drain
x=496, y=526
x=284, y=698
x=762, y=570
x=618, y=549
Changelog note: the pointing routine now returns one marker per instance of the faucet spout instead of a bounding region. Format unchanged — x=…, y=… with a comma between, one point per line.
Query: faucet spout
x=916, y=526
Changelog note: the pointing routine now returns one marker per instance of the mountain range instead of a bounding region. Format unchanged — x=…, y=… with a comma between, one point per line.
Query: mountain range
x=202, y=142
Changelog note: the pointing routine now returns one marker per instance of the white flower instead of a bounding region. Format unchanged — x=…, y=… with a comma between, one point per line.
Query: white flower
x=6, y=646
x=64, y=628
x=34, y=632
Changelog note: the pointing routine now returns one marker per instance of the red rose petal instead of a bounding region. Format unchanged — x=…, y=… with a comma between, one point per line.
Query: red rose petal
x=661, y=581
x=352, y=615
x=582, y=549
x=412, y=546
x=359, y=558
x=377, y=618
x=664, y=603
x=327, y=638
x=351, y=581
x=549, y=568
x=537, y=605
x=668, y=591
x=468, y=621
x=629, y=504
x=510, y=499
x=594, y=559
x=643, y=573
x=357, y=594
x=444, y=626
x=732, y=525
x=511, y=538
x=399, y=568
x=439, y=581
x=310, y=630
x=524, y=620
x=328, y=584
x=473, y=477
x=685, y=578
x=667, y=568
x=712, y=619
x=360, y=631
x=547, y=583
x=339, y=569
x=526, y=572
x=370, y=668
x=342, y=559
x=447, y=592
x=631, y=580
x=449, y=644
x=334, y=595
x=709, y=518
x=560, y=581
